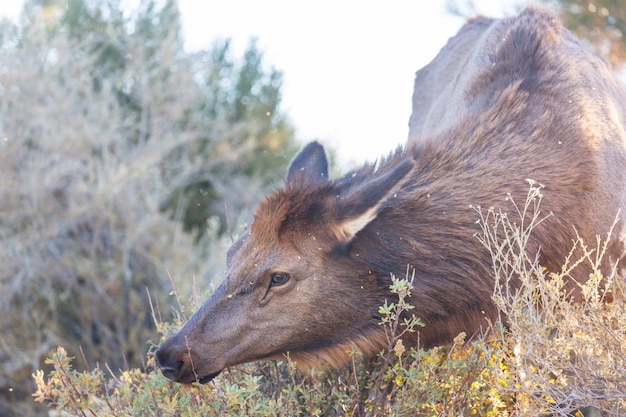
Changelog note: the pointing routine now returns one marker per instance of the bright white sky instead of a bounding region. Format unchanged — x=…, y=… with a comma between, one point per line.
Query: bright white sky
x=348, y=65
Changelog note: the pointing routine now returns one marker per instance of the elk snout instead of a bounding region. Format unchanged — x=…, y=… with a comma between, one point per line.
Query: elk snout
x=176, y=364
x=169, y=361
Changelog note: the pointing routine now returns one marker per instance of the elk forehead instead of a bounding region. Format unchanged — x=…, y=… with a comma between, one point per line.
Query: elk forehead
x=297, y=210
x=266, y=247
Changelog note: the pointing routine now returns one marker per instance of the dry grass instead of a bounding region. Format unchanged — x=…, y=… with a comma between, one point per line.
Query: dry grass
x=566, y=355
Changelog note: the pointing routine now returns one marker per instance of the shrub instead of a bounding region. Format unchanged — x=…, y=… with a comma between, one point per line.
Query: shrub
x=551, y=360
x=440, y=381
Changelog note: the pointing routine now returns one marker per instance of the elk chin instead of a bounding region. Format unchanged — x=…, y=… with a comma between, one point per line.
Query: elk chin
x=208, y=378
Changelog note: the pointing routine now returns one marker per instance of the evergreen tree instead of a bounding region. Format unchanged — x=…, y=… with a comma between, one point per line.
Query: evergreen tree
x=110, y=133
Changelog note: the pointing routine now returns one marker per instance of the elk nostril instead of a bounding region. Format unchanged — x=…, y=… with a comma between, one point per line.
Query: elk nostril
x=175, y=366
x=170, y=367
x=172, y=370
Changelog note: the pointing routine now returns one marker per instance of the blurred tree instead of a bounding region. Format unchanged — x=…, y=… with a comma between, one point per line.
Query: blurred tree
x=601, y=22
x=240, y=127
x=110, y=133
x=241, y=122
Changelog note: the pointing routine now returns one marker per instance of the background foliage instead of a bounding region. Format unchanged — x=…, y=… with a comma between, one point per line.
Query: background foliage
x=114, y=143
x=118, y=150
x=601, y=22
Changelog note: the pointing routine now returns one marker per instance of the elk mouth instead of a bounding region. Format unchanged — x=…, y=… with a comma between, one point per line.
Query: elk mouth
x=208, y=378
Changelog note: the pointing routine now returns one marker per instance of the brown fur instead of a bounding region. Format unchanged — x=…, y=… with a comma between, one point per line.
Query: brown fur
x=534, y=103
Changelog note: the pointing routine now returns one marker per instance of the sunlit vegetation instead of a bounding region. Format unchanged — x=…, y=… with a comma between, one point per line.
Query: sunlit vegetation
x=554, y=357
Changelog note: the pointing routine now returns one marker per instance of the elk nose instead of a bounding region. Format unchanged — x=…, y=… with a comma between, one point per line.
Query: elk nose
x=170, y=367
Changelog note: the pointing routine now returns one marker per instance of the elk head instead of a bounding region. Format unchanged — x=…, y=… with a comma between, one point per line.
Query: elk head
x=293, y=286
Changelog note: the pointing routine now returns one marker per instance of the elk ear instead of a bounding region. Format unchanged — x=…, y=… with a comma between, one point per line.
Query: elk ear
x=360, y=206
x=310, y=166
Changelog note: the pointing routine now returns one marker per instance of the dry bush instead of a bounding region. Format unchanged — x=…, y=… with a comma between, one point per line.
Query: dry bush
x=81, y=235
x=565, y=355
x=89, y=156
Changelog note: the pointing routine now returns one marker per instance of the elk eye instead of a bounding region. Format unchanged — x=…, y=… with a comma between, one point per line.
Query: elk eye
x=279, y=278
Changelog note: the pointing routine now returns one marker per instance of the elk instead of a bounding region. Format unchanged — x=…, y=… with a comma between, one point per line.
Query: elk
x=504, y=101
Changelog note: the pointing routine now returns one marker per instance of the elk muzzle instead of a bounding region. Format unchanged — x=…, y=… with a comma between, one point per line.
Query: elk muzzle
x=176, y=363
